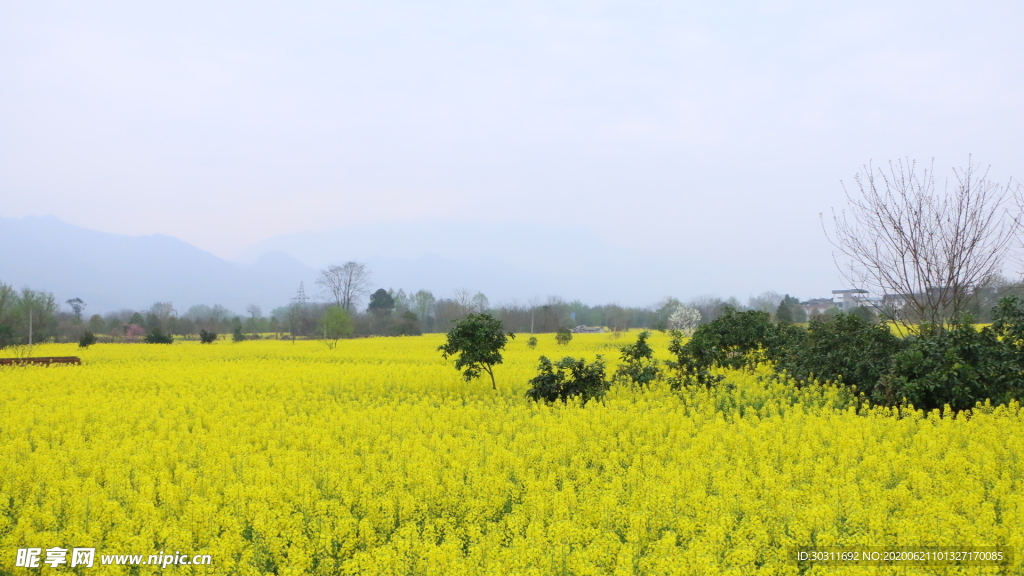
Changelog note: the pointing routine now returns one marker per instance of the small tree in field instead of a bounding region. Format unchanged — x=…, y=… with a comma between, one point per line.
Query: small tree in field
x=477, y=341
x=563, y=336
x=568, y=378
x=335, y=324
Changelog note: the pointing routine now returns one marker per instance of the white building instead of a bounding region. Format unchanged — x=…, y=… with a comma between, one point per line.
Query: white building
x=847, y=300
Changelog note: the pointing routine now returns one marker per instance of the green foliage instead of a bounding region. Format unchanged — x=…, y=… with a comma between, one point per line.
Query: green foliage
x=137, y=319
x=158, y=336
x=959, y=366
x=381, y=303
x=841, y=348
x=532, y=342
x=639, y=365
x=864, y=313
x=733, y=340
x=206, y=337
x=238, y=335
x=87, y=339
x=563, y=336
x=477, y=341
x=336, y=323
x=786, y=313
x=20, y=310
x=408, y=325
x=568, y=378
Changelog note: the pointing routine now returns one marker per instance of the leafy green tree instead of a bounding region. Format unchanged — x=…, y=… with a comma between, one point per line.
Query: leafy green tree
x=238, y=335
x=96, y=324
x=206, y=336
x=381, y=303
x=137, y=319
x=335, y=324
x=532, y=342
x=563, y=336
x=786, y=313
x=639, y=365
x=408, y=325
x=568, y=378
x=476, y=342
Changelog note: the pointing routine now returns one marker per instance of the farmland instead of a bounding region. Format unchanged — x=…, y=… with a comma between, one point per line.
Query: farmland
x=376, y=458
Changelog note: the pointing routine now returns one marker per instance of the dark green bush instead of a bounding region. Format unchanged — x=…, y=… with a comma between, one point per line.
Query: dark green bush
x=733, y=340
x=237, y=335
x=206, y=337
x=563, y=336
x=959, y=366
x=842, y=348
x=157, y=336
x=568, y=378
x=87, y=339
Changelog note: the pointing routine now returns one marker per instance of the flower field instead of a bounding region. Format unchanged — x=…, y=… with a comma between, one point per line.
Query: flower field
x=376, y=458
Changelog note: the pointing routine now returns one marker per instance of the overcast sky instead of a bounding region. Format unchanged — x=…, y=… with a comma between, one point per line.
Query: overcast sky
x=715, y=129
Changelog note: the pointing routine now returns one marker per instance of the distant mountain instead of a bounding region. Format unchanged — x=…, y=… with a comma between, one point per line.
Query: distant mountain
x=506, y=262
x=110, y=271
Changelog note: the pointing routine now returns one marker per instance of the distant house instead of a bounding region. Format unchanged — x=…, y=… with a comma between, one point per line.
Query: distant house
x=816, y=306
x=895, y=301
x=588, y=329
x=847, y=300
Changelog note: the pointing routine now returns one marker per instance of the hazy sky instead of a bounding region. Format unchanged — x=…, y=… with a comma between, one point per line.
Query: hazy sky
x=692, y=128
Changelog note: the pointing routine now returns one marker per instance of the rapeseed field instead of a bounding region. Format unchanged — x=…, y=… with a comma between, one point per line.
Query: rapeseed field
x=376, y=458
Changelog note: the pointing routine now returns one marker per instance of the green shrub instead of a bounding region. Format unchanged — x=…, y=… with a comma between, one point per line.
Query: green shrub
x=959, y=366
x=237, y=335
x=640, y=367
x=733, y=340
x=206, y=337
x=841, y=348
x=157, y=336
x=87, y=339
x=568, y=378
x=563, y=336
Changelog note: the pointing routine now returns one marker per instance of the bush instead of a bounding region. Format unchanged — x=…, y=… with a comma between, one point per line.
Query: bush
x=563, y=336
x=733, y=340
x=87, y=339
x=532, y=342
x=157, y=336
x=206, y=337
x=568, y=378
x=237, y=335
x=960, y=366
x=640, y=367
x=841, y=348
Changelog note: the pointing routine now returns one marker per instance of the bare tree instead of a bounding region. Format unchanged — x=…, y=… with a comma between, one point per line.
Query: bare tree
x=345, y=284
x=255, y=313
x=924, y=251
